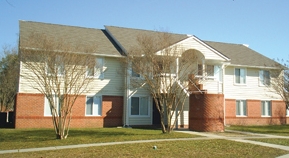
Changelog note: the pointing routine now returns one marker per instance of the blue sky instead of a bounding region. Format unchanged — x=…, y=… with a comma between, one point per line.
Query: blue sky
x=263, y=24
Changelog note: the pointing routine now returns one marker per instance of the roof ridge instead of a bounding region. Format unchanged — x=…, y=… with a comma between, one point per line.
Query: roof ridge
x=62, y=25
x=138, y=29
x=224, y=42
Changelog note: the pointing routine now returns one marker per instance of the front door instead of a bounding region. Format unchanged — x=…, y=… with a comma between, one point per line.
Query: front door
x=156, y=115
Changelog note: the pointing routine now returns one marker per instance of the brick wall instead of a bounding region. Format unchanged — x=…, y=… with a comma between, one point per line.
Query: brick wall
x=254, y=113
x=30, y=112
x=206, y=112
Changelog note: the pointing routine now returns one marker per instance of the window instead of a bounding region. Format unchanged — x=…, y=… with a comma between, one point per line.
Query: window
x=55, y=66
x=139, y=106
x=47, y=110
x=240, y=76
x=211, y=72
x=264, y=78
x=93, y=106
x=200, y=69
x=134, y=74
x=241, y=108
x=266, y=108
x=96, y=70
x=287, y=111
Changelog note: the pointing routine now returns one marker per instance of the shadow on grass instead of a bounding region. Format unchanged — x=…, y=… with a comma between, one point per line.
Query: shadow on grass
x=271, y=129
x=36, y=135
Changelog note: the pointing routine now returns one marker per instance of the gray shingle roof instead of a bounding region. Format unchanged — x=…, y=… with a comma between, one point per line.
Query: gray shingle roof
x=242, y=55
x=127, y=37
x=86, y=37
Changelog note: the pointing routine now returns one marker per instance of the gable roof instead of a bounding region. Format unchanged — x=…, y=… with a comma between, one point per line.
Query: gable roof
x=127, y=37
x=73, y=35
x=241, y=55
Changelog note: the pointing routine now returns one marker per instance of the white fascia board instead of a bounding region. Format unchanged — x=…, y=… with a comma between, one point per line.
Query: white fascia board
x=96, y=54
x=250, y=66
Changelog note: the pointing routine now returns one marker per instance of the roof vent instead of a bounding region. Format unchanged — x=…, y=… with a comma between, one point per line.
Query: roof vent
x=246, y=45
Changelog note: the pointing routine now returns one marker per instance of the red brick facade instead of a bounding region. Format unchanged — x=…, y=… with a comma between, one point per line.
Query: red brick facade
x=30, y=112
x=206, y=112
x=254, y=113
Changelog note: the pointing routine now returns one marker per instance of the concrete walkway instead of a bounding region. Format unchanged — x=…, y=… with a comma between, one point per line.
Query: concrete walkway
x=239, y=137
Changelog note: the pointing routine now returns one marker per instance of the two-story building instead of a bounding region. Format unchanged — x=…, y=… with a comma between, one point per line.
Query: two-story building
x=237, y=73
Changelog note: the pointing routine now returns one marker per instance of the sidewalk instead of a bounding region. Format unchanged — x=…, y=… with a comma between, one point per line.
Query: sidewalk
x=243, y=139
x=239, y=138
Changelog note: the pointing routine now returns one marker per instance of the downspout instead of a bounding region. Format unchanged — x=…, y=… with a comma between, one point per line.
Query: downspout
x=127, y=89
x=223, y=91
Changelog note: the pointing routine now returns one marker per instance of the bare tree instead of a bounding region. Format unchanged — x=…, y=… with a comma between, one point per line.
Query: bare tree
x=61, y=72
x=9, y=70
x=162, y=67
x=278, y=80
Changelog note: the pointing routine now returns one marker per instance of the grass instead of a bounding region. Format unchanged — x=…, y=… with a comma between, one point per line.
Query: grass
x=195, y=148
x=282, y=130
x=32, y=138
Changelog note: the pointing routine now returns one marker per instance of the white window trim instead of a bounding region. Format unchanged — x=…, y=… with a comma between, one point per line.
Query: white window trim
x=47, y=102
x=261, y=84
x=246, y=112
x=100, y=108
x=270, y=115
x=149, y=106
x=245, y=75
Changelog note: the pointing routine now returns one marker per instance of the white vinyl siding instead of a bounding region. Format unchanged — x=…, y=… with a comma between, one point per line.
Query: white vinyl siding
x=266, y=108
x=139, y=106
x=93, y=106
x=47, y=110
x=240, y=76
x=252, y=89
x=241, y=108
x=264, y=78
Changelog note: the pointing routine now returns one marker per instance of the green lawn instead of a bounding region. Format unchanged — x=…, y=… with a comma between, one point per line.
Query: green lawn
x=282, y=130
x=194, y=148
x=31, y=138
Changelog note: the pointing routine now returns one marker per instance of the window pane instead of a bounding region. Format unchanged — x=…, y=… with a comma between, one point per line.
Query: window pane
x=97, y=106
x=269, y=108
x=210, y=70
x=244, y=108
x=47, y=111
x=237, y=107
x=237, y=75
x=143, y=106
x=90, y=71
x=134, y=106
x=89, y=102
x=242, y=76
x=99, y=67
x=263, y=107
x=266, y=77
x=200, y=69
